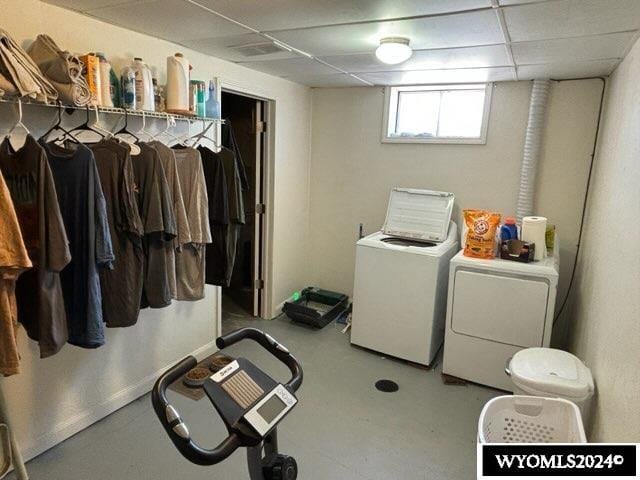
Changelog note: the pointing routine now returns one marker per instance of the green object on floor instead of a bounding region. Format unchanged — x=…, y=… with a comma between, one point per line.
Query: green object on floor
x=296, y=296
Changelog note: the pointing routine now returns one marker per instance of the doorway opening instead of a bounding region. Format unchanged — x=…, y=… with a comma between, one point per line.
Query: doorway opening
x=245, y=133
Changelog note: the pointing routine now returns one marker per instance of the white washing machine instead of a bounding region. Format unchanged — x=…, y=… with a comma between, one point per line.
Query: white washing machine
x=400, y=287
x=496, y=308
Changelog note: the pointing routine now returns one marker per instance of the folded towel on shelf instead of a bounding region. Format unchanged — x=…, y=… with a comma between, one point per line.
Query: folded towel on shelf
x=19, y=74
x=62, y=69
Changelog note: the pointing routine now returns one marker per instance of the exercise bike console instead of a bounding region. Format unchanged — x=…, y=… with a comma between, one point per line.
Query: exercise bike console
x=245, y=396
x=250, y=403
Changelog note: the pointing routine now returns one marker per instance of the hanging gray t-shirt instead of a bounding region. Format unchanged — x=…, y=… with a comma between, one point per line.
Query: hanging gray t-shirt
x=169, y=164
x=190, y=261
x=159, y=224
x=84, y=214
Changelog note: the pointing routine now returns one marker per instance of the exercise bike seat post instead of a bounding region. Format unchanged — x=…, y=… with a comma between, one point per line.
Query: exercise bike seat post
x=248, y=400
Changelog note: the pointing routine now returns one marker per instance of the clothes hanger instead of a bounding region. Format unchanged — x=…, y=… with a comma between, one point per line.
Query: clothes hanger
x=98, y=124
x=85, y=127
x=163, y=132
x=178, y=139
x=58, y=126
x=125, y=129
x=197, y=138
x=135, y=149
x=143, y=130
x=18, y=122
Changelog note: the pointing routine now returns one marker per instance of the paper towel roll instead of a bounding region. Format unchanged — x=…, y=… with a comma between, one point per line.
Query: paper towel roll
x=177, y=95
x=533, y=231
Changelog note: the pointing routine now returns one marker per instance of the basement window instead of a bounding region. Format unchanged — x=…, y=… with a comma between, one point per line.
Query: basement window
x=437, y=114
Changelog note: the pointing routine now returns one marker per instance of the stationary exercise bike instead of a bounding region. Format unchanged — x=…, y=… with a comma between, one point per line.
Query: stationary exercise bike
x=250, y=402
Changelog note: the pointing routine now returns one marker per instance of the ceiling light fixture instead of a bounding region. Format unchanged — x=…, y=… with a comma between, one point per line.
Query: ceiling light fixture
x=394, y=50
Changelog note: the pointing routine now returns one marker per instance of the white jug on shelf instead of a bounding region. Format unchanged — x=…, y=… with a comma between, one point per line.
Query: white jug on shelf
x=177, y=90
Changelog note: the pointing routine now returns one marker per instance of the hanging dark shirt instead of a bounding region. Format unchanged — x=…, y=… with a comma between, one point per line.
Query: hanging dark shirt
x=38, y=291
x=121, y=286
x=217, y=194
x=83, y=209
x=216, y=183
x=159, y=224
x=229, y=141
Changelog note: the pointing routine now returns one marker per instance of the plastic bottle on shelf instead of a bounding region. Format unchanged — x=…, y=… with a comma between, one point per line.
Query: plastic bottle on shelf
x=114, y=88
x=509, y=230
x=212, y=105
x=144, y=86
x=193, y=96
x=201, y=107
x=158, y=96
x=91, y=72
x=128, y=88
x=105, y=81
x=177, y=88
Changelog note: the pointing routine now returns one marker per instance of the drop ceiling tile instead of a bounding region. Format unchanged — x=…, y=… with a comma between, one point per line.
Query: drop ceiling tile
x=572, y=49
x=174, y=20
x=486, y=56
x=518, y=2
x=567, y=69
x=464, y=29
x=334, y=80
x=571, y=18
x=291, y=67
x=425, y=77
x=84, y=5
x=229, y=47
x=289, y=14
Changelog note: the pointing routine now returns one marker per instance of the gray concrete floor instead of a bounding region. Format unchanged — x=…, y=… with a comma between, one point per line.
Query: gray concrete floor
x=343, y=427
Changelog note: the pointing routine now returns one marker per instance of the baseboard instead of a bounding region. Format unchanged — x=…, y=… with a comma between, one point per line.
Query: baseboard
x=278, y=310
x=90, y=416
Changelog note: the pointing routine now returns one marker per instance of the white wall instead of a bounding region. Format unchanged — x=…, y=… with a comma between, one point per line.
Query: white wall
x=605, y=304
x=24, y=19
x=353, y=171
x=56, y=397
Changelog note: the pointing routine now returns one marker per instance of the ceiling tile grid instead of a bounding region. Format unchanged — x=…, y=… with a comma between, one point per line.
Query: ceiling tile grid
x=455, y=30
x=466, y=57
x=417, y=77
x=331, y=43
x=174, y=20
x=270, y=15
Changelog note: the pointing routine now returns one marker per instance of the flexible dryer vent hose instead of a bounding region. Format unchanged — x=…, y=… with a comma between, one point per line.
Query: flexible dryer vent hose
x=532, y=143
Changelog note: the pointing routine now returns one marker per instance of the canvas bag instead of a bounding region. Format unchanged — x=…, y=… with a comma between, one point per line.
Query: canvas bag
x=62, y=69
x=19, y=74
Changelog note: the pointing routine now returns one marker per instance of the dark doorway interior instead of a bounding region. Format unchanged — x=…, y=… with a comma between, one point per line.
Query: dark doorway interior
x=245, y=115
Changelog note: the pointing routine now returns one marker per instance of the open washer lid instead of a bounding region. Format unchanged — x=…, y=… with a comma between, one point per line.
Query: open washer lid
x=415, y=214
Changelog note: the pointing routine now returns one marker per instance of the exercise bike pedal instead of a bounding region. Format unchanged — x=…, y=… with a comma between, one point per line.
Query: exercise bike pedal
x=280, y=467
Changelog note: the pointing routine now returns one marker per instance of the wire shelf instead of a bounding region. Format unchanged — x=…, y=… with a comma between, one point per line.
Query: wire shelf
x=116, y=111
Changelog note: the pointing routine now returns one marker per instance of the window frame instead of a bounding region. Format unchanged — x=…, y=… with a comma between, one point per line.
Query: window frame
x=481, y=140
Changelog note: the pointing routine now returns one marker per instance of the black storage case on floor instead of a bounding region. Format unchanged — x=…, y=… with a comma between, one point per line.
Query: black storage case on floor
x=316, y=307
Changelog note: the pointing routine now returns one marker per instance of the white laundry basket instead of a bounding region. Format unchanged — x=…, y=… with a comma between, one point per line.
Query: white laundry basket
x=526, y=419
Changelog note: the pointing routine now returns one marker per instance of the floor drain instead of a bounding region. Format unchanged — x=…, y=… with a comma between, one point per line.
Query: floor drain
x=387, y=386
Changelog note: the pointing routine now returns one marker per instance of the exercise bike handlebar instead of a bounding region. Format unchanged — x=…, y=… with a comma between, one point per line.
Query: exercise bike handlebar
x=272, y=346
x=176, y=428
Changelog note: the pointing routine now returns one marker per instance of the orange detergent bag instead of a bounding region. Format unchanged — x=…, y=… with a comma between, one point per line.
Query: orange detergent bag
x=481, y=233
